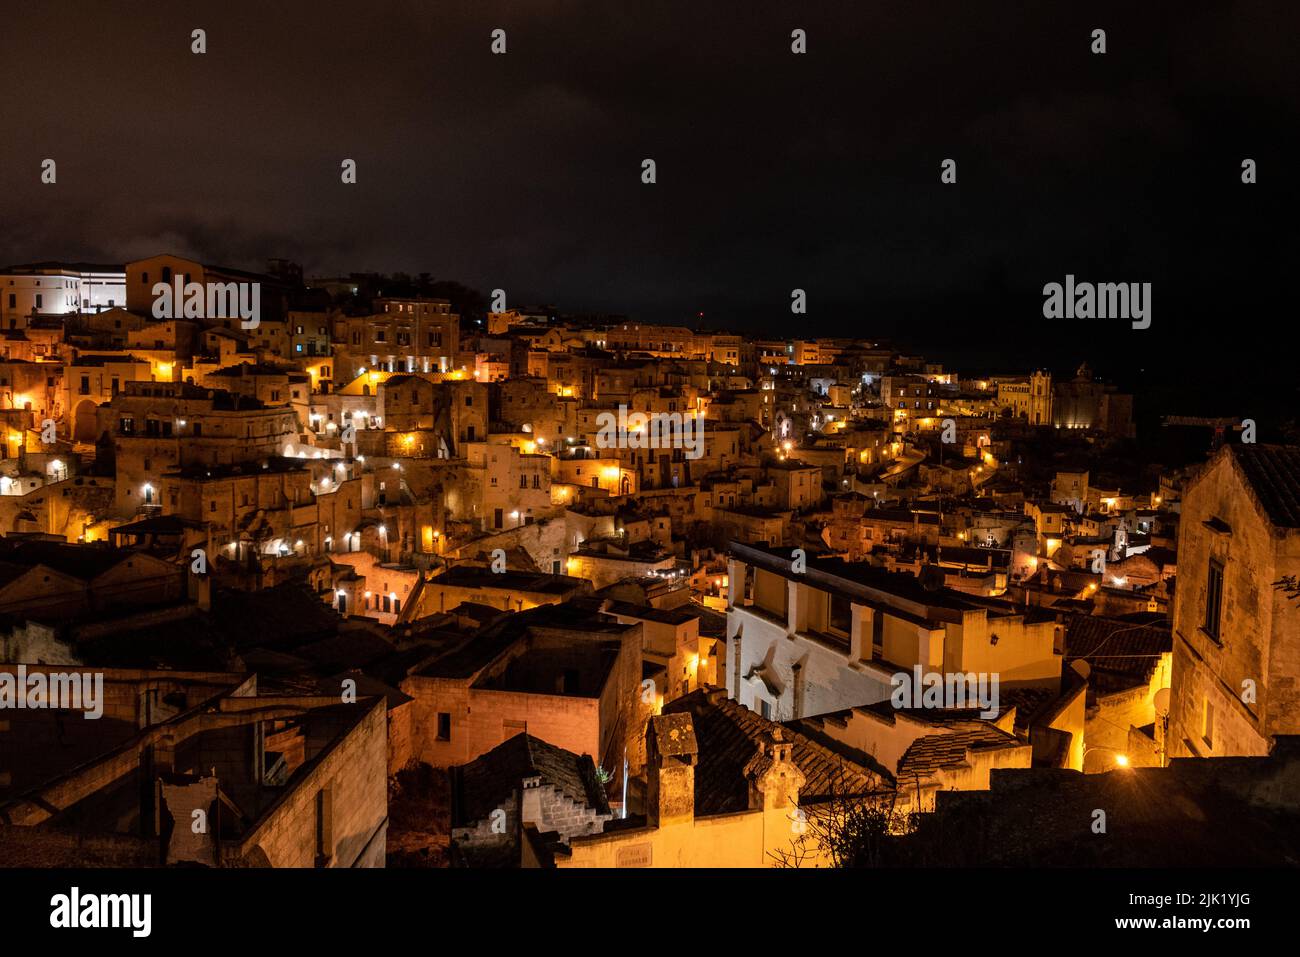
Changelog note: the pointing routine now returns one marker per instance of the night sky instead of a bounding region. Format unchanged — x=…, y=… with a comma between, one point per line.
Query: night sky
x=775, y=171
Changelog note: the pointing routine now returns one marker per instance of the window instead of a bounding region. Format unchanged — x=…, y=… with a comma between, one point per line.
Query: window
x=523, y=481
x=1207, y=732
x=841, y=614
x=765, y=708
x=324, y=826
x=1213, y=599
x=444, y=726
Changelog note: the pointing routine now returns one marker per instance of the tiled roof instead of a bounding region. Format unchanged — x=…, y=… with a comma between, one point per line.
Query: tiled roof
x=488, y=781
x=949, y=749
x=1273, y=472
x=729, y=735
x=1027, y=702
x=282, y=617
x=1120, y=655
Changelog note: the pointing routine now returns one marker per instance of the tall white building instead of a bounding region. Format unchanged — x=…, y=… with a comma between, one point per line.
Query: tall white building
x=56, y=289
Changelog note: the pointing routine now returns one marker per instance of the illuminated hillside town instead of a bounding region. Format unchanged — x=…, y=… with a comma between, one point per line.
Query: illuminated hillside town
x=360, y=571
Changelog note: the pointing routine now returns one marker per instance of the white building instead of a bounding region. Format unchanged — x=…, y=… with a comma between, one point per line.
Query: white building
x=58, y=289
x=833, y=636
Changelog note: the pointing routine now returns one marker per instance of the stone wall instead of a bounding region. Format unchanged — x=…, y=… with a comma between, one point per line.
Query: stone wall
x=353, y=774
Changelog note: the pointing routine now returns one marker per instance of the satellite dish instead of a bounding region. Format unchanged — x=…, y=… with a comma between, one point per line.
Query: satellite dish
x=1162, y=702
x=1081, y=668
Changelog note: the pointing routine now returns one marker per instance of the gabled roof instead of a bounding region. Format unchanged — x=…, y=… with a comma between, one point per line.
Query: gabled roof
x=284, y=616
x=1273, y=474
x=728, y=735
x=490, y=780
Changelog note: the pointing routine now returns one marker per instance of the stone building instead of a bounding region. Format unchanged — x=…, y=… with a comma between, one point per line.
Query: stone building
x=724, y=788
x=271, y=780
x=160, y=426
x=1129, y=663
x=399, y=335
x=1236, y=619
x=522, y=783
x=559, y=673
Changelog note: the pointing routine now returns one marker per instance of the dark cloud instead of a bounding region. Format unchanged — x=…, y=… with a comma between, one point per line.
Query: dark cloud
x=775, y=171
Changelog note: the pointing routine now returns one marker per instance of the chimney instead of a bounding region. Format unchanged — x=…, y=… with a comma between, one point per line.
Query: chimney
x=530, y=802
x=671, y=754
x=191, y=800
x=774, y=778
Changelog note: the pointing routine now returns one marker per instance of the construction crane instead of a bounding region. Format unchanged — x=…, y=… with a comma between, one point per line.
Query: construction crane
x=1220, y=425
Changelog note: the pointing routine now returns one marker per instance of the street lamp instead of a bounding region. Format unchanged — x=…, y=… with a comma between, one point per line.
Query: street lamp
x=1121, y=759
